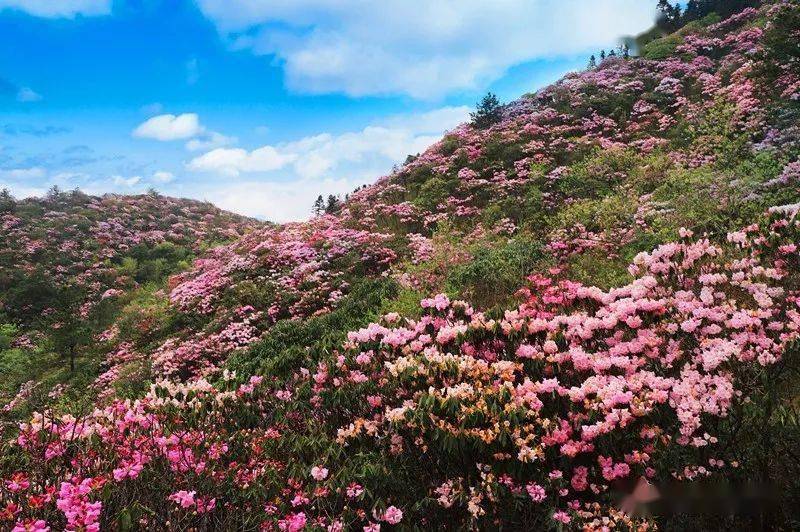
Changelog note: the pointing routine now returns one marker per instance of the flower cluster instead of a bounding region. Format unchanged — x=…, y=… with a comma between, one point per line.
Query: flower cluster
x=577, y=386
x=301, y=270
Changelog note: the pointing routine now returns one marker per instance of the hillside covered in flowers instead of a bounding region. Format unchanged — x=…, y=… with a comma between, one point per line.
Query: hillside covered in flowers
x=579, y=311
x=69, y=262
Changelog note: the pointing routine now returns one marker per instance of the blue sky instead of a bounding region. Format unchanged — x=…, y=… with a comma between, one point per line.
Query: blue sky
x=260, y=105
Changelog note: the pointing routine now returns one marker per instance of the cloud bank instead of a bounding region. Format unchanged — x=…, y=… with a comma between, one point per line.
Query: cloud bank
x=280, y=182
x=421, y=48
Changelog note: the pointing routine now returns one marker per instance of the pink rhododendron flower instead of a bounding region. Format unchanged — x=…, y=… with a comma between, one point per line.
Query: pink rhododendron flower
x=392, y=515
x=319, y=473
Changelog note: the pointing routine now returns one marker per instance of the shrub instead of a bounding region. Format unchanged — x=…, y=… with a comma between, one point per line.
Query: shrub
x=662, y=48
x=494, y=273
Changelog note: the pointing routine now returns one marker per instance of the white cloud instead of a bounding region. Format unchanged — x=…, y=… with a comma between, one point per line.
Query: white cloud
x=170, y=127
x=27, y=95
x=232, y=161
x=314, y=157
x=209, y=141
x=423, y=48
x=433, y=122
x=24, y=182
x=22, y=191
x=59, y=8
x=163, y=176
x=274, y=201
x=69, y=177
x=126, y=181
x=280, y=182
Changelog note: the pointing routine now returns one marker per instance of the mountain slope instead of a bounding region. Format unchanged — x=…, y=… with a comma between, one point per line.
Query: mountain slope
x=625, y=245
x=70, y=260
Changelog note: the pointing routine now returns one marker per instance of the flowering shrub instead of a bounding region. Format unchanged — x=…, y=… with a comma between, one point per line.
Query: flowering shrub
x=292, y=272
x=576, y=387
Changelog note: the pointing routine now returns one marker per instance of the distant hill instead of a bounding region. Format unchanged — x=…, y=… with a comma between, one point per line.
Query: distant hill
x=71, y=257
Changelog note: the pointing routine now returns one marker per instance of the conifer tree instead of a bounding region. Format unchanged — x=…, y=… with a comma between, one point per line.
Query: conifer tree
x=488, y=112
x=7, y=202
x=676, y=14
x=69, y=331
x=54, y=193
x=692, y=10
x=319, y=206
x=592, y=61
x=333, y=205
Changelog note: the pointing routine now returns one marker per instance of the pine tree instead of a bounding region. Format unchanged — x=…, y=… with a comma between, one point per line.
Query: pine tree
x=676, y=14
x=666, y=16
x=602, y=55
x=592, y=61
x=626, y=51
x=54, y=193
x=7, y=202
x=488, y=112
x=333, y=205
x=72, y=331
x=664, y=7
x=319, y=206
x=692, y=11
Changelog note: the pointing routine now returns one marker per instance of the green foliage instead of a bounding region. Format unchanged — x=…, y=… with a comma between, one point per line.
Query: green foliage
x=28, y=295
x=144, y=318
x=7, y=202
x=8, y=332
x=495, y=273
x=780, y=47
x=595, y=268
x=604, y=214
x=433, y=192
x=45, y=369
x=648, y=36
x=405, y=303
x=700, y=199
x=449, y=144
x=145, y=263
x=662, y=48
x=14, y=368
x=597, y=174
x=133, y=381
x=711, y=18
x=498, y=152
x=290, y=345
